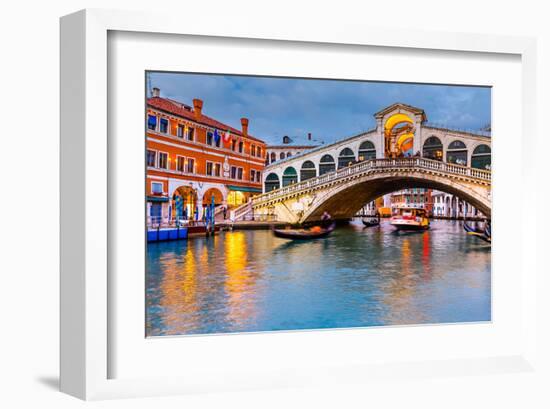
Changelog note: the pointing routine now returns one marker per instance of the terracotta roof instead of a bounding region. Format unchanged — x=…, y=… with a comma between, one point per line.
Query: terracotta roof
x=172, y=107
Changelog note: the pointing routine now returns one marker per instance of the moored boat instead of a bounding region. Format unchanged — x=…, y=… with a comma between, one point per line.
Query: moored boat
x=410, y=218
x=304, y=234
x=371, y=221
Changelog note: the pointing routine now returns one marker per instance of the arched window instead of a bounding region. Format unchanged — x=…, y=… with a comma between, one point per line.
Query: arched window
x=288, y=154
x=433, y=148
x=307, y=171
x=481, y=157
x=345, y=158
x=282, y=155
x=271, y=182
x=326, y=164
x=457, y=153
x=290, y=176
x=367, y=151
x=273, y=157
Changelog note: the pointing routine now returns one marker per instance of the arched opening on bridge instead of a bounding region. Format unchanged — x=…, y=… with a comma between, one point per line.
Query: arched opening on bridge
x=433, y=148
x=184, y=202
x=399, y=136
x=345, y=158
x=307, y=171
x=282, y=155
x=326, y=165
x=273, y=157
x=366, y=151
x=481, y=157
x=207, y=197
x=271, y=182
x=457, y=153
x=290, y=176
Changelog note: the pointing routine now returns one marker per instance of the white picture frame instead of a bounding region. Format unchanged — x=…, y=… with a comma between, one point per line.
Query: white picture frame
x=86, y=330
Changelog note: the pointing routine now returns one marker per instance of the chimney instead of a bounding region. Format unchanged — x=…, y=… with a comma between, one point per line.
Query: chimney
x=309, y=136
x=156, y=92
x=244, y=124
x=197, y=104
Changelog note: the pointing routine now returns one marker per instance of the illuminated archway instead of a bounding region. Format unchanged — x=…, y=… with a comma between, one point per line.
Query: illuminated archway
x=184, y=202
x=207, y=197
x=399, y=136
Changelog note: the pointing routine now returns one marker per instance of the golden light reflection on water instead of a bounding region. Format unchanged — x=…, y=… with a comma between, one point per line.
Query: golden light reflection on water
x=240, y=282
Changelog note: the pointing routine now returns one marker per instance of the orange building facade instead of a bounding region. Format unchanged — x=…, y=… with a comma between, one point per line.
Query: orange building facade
x=194, y=160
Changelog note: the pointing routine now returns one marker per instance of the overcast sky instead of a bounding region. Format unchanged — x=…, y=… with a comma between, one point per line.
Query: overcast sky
x=329, y=109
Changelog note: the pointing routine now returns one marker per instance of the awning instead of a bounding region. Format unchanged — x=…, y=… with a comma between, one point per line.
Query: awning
x=244, y=189
x=157, y=199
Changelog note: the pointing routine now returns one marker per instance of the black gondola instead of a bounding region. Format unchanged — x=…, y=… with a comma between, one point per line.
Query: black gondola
x=479, y=233
x=371, y=222
x=303, y=234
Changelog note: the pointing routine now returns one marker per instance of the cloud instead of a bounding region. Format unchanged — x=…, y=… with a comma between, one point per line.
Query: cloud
x=330, y=109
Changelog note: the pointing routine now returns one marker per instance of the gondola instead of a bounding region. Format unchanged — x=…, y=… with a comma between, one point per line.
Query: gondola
x=370, y=222
x=479, y=233
x=303, y=234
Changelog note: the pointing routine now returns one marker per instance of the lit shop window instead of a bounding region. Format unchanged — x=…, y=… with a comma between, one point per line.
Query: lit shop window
x=156, y=187
x=164, y=125
x=151, y=158
x=163, y=160
x=151, y=122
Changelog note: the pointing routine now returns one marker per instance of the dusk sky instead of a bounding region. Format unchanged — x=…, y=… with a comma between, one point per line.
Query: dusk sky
x=329, y=109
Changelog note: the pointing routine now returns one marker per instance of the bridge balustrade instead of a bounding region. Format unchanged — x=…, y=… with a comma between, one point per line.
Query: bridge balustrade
x=421, y=163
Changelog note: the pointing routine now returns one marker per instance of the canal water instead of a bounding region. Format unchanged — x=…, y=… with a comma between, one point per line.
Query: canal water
x=245, y=281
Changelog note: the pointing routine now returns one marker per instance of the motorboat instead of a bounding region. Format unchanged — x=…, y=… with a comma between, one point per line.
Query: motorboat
x=410, y=218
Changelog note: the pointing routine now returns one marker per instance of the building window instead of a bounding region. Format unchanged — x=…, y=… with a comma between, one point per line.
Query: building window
x=457, y=153
x=367, y=151
x=233, y=172
x=218, y=141
x=253, y=150
x=181, y=130
x=240, y=173
x=163, y=160
x=209, y=138
x=286, y=139
x=346, y=158
x=288, y=154
x=190, y=134
x=282, y=155
x=157, y=187
x=259, y=152
x=326, y=165
x=209, y=168
x=217, y=169
x=481, y=157
x=273, y=157
x=164, y=125
x=252, y=175
x=152, y=122
x=180, y=164
x=241, y=146
x=151, y=158
x=190, y=165
x=233, y=144
x=258, y=176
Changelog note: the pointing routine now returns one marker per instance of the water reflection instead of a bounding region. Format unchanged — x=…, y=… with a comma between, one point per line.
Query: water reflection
x=251, y=281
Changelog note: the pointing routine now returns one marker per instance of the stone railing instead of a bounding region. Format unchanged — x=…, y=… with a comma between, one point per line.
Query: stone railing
x=376, y=165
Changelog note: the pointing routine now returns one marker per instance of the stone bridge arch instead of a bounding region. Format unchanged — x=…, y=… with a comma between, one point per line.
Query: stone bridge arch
x=344, y=201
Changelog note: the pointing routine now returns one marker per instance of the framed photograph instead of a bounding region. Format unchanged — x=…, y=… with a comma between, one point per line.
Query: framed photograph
x=244, y=208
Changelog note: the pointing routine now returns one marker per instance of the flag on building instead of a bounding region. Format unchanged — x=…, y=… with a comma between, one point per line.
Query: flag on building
x=227, y=136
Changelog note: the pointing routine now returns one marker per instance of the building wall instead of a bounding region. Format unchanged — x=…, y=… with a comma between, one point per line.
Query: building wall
x=195, y=177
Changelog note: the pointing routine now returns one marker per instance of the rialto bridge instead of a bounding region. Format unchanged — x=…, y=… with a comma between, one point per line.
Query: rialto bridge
x=401, y=152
